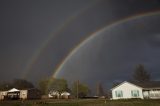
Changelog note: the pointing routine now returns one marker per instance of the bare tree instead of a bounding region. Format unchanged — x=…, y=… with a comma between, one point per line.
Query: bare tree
x=140, y=74
x=99, y=90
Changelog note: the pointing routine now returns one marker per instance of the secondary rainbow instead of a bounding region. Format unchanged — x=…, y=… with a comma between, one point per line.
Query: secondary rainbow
x=92, y=36
x=52, y=35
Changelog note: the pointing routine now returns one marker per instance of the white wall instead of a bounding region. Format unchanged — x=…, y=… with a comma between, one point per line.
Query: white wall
x=2, y=94
x=154, y=94
x=126, y=89
x=23, y=94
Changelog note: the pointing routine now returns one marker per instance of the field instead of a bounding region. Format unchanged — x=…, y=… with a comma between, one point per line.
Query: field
x=82, y=102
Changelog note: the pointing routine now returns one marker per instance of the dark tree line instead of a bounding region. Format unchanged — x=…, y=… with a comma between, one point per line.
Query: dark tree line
x=47, y=85
x=77, y=88
x=60, y=85
x=16, y=83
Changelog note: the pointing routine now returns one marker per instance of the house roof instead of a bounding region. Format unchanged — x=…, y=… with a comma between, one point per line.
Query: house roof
x=144, y=85
x=125, y=82
x=147, y=85
x=14, y=90
x=65, y=93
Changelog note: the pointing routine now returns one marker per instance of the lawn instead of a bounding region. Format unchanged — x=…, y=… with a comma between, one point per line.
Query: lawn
x=82, y=102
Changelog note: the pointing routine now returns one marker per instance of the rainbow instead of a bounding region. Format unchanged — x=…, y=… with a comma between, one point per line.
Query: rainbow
x=95, y=34
x=92, y=36
x=63, y=25
x=60, y=29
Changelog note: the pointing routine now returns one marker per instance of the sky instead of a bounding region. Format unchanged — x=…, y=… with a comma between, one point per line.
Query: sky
x=87, y=40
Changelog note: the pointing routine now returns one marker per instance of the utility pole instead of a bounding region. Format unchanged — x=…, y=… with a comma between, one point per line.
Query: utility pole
x=77, y=89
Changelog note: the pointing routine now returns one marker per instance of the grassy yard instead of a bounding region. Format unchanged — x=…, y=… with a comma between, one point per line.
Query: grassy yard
x=82, y=102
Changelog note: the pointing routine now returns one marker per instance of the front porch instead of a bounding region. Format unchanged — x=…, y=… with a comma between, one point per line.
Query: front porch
x=151, y=93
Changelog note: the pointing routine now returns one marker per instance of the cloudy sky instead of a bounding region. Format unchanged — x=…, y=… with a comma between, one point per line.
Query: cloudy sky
x=88, y=40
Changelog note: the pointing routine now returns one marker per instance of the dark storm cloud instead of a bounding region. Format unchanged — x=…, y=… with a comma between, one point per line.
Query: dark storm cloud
x=25, y=25
x=94, y=18
x=113, y=54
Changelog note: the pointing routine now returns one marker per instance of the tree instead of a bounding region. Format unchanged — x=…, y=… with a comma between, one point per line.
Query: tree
x=5, y=86
x=99, y=89
x=49, y=84
x=79, y=89
x=140, y=74
x=59, y=85
x=16, y=83
x=22, y=84
x=43, y=85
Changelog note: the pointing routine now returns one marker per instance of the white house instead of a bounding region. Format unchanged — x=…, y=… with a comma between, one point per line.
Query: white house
x=14, y=93
x=128, y=90
x=3, y=94
x=54, y=94
x=57, y=95
x=65, y=95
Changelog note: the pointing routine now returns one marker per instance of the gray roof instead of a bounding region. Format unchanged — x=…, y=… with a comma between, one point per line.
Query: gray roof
x=150, y=84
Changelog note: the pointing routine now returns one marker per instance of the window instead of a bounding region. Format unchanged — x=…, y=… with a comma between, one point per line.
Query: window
x=119, y=93
x=135, y=93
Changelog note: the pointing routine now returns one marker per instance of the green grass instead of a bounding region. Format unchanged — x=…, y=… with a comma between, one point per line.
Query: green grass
x=82, y=102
